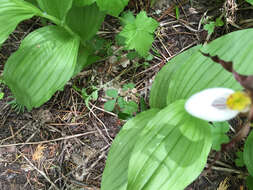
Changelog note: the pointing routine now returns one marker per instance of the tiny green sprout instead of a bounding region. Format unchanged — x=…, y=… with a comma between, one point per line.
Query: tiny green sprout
x=177, y=12
x=1, y=95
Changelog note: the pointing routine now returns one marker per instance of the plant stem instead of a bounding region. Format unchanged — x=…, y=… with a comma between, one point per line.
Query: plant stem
x=59, y=23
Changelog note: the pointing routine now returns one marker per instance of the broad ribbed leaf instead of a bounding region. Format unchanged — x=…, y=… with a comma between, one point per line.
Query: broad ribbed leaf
x=85, y=21
x=248, y=153
x=83, y=2
x=170, y=152
x=112, y=7
x=11, y=13
x=237, y=47
x=34, y=2
x=186, y=74
x=57, y=8
x=116, y=169
x=43, y=64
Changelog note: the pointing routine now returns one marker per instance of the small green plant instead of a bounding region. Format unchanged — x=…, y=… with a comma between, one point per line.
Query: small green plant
x=125, y=109
x=87, y=97
x=211, y=25
x=177, y=12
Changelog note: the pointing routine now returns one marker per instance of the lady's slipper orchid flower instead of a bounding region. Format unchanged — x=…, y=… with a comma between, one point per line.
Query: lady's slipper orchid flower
x=221, y=104
x=217, y=104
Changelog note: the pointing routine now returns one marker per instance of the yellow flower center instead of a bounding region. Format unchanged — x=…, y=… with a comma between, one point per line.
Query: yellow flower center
x=239, y=101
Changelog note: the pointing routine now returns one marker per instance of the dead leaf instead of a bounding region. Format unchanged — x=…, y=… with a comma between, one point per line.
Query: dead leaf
x=223, y=185
x=38, y=154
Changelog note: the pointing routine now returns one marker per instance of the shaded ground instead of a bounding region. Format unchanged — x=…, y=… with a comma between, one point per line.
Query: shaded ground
x=63, y=144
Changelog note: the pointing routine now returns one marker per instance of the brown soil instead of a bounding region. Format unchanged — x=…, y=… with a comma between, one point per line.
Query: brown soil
x=64, y=145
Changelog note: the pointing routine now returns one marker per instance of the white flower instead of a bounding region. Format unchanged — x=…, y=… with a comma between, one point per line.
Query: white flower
x=211, y=105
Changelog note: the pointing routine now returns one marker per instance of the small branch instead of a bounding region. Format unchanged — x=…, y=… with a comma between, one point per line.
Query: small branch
x=47, y=141
x=41, y=172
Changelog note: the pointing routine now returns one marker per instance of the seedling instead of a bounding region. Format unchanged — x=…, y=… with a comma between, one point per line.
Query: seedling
x=210, y=25
x=87, y=97
x=117, y=103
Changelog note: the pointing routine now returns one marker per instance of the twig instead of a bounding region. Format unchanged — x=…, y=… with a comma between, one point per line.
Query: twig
x=41, y=172
x=48, y=141
x=226, y=170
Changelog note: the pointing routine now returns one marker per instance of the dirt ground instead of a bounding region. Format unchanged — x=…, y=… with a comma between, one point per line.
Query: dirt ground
x=64, y=145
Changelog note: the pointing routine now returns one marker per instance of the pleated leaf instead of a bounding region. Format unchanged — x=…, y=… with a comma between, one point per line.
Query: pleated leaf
x=34, y=2
x=57, y=8
x=85, y=21
x=116, y=169
x=83, y=2
x=43, y=64
x=248, y=153
x=170, y=152
x=11, y=13
x=186, y=74
x=235, y=47
x=112, y=7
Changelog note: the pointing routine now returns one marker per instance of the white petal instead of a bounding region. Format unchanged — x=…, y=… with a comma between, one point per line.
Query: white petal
x=201, y=105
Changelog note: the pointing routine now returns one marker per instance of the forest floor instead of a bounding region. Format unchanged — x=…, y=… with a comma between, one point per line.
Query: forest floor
x=64, y=145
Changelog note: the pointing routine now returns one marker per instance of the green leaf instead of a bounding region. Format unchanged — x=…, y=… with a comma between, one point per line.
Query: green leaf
x=11, y=13
x=1, y=95
x=235, y=47
x=171, y=151
x=57, y=8
x=109, y=105
x=132, y=55
x=186, y=74
x=249, y=1
x=139, y=34
x=219, y=22
x=248, y=153
x=34, y=2
x=249, y=182
x=43, y=64
x=219, y=131
x=81, y=3
x=121, y=102
x=112, y=93
x=130, y=108
x=127, y=18
x=116, y=168
x=85, y=21
x=209, y=27
x=128, y=86
x=112, y=7
x=239, y=160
